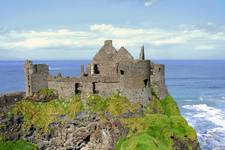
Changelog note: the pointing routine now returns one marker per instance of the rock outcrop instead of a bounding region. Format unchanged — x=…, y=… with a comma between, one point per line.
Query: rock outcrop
x=9, y=99
x=86, y=133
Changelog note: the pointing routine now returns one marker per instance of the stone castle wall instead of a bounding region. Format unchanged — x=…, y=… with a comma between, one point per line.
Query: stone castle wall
x=135, y=80
x=158, y=80
x=104, y=61
x=35, y=77
x=65, y=86
x=110, y=71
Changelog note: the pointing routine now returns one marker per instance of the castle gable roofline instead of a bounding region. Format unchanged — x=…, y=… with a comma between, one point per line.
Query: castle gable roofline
x=123, y=55
x=105, y=52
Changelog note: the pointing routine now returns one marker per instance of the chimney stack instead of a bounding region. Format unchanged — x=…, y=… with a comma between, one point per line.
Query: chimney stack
x=108, y=42
x=142, y=53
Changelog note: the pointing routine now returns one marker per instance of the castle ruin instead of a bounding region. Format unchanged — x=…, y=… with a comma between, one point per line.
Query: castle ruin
x=110, y=71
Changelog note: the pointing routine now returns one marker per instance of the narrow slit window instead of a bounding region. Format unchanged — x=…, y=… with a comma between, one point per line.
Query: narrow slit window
x=94, y=87
x=77, y=88
x=96, y=70
x=159, y=69
x=146, y=83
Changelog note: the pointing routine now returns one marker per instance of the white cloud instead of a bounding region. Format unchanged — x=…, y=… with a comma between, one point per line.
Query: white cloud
x=205, y=47
x=183, y=38
x=149, y=2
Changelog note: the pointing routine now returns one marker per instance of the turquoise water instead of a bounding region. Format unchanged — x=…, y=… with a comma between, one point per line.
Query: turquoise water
x=197, y=86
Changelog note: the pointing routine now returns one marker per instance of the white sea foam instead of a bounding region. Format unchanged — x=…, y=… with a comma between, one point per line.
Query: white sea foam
x=209, y=123
x=205, y=112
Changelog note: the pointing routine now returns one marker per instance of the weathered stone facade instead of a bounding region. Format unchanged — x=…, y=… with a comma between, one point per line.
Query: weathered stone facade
x=158, y=80
x=110, y=71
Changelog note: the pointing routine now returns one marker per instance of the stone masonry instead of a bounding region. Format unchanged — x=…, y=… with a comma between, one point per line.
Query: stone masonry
x=110, y=71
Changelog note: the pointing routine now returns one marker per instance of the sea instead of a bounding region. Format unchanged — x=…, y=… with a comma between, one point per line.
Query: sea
x=198, y=87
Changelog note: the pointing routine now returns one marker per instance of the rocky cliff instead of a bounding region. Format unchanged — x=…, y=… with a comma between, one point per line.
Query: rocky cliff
x=99, y=123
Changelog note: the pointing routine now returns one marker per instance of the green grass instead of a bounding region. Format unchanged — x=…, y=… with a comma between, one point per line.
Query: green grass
x=166, y=106
x=162, y=122
x=46, y=92
x=137, y=142
x=96, y=104
x=116, y=105
x=42, y=114
x=17, y=145
x=169, y=106
x=154, y=107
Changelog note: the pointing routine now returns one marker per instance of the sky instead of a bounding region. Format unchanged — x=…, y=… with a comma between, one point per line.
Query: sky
x=76, y=29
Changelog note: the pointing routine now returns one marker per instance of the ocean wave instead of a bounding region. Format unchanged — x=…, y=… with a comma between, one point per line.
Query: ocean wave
x=188, y=100
x=54, y=68
x=209, y=123
x=201, y=98
x=214, y=115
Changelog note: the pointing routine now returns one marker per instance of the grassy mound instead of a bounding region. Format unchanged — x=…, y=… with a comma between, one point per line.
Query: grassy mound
x=158, y=129
x=17, y=145
x=42, y=114
x=137, y=142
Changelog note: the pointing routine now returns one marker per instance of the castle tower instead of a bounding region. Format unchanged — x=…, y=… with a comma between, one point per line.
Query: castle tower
x=35, y=77
x=142, y=53
x=27, y=73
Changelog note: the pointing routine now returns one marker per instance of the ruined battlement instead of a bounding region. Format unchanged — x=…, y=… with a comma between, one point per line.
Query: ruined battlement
x=110, y=71
x=35, y=77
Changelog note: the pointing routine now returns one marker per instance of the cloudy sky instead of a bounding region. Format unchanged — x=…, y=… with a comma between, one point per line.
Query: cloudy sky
x=76, y=29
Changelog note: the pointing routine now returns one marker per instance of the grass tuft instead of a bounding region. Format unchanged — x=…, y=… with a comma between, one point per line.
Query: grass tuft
x=17, y=145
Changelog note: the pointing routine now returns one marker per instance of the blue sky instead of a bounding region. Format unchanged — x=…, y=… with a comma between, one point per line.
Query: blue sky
x=72, y=29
